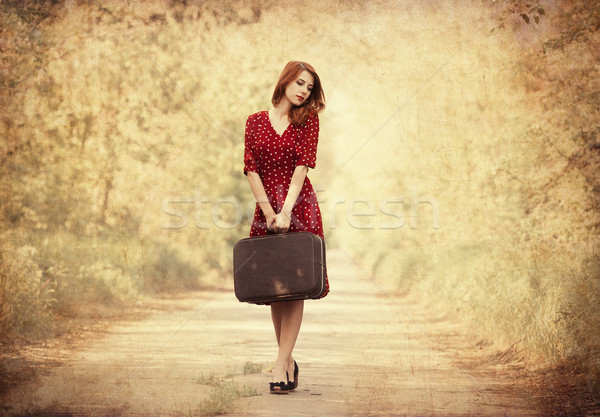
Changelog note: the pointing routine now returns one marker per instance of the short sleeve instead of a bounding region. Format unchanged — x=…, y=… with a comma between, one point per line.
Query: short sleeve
x=307, y=149
x=249, y=157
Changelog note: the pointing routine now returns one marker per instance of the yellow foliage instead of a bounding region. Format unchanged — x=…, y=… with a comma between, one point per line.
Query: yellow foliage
x=122, y=130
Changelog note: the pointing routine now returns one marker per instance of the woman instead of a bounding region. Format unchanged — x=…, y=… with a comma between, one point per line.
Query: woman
x=280, y=146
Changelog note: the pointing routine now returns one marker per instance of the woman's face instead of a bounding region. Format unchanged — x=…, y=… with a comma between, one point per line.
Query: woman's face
x=298, y=91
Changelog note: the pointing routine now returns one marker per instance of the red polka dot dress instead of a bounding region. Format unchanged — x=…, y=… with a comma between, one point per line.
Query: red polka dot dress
x=274, y=158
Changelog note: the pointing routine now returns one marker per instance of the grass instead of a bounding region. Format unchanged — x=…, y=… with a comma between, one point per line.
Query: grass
x=225, y=390
x=209, y=379
x=222, y=399
x=213, y=380
x=252, y=368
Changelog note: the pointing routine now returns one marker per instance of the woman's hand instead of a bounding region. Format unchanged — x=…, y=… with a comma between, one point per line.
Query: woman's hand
x=281, y=223
x=270, y=221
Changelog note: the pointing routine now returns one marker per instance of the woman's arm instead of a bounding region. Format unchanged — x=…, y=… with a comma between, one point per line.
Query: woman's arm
x=283, y=219
x=258, y=189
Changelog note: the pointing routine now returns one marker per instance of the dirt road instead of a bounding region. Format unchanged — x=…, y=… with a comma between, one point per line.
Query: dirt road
x=360, y=352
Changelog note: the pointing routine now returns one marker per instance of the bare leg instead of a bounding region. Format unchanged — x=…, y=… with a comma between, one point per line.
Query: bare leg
x=287, y=319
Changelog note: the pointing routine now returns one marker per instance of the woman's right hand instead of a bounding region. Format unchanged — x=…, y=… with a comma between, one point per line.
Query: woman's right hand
x=282, y=223
x=271, y=221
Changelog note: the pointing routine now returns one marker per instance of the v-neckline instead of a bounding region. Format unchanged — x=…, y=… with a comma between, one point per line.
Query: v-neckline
x=273, y=127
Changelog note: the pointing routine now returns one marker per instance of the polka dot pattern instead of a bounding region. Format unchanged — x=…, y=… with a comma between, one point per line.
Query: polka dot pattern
x=274, y=158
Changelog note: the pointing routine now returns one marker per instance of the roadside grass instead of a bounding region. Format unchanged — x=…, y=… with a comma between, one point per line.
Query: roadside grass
x=538, y=299
x=209, y=379
x=226, y=391
x=223, y=397
x=253, y=368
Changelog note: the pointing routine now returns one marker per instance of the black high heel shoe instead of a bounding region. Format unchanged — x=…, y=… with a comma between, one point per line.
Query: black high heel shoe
x=294, y=383
x=281, y=387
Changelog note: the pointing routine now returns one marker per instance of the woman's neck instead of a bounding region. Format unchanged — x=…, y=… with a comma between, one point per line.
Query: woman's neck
x=282, y=110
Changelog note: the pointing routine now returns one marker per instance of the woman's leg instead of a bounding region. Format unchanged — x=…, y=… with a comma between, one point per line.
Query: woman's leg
x=287, y=319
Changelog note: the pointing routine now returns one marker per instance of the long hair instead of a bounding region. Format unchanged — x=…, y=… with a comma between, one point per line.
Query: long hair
x=316, y=100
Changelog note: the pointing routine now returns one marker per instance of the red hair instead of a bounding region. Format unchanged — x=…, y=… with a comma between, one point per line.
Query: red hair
x=316, y=100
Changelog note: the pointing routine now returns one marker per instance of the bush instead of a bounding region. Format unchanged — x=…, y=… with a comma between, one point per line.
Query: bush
x=26, y=294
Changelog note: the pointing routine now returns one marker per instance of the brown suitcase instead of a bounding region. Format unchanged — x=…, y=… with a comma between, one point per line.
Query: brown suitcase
x=279, y=267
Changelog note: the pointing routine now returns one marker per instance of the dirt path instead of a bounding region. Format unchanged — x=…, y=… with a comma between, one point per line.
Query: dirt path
x=360, y=351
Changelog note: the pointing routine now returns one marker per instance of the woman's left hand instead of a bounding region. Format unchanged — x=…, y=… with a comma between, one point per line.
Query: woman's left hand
x=282, y=223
